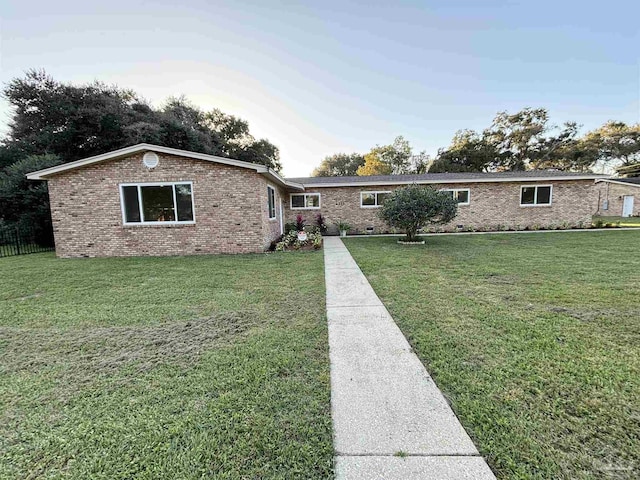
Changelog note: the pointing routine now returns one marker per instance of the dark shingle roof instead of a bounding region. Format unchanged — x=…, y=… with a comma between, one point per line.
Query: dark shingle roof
x=632, y=180
x=444, y=177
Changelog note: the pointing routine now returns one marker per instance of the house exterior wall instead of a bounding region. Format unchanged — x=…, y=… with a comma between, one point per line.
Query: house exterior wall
x=614, y=193
x=271, y=228
x=492, y=206
x=229, y=204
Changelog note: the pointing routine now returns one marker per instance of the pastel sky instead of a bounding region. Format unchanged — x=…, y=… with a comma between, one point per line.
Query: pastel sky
x=320, y=77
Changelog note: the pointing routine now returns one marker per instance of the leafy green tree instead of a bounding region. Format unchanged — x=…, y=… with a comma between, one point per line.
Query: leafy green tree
x=24, y=203
x=419, y=162
x=526, y=140
x=468, y=152
x=339, y=165
x=413, y=207
x=79, y=121
x=373, y=165
x=396, y=155
x=68, y=121
x=573, y=155
x=518, y=137
x=258, y=151
x=396, y=158
x=618, y=144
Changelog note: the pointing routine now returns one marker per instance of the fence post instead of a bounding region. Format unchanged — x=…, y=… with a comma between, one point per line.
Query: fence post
x=17, y=242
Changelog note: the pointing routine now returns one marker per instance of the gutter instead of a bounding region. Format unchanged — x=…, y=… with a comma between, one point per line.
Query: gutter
x=447, y=181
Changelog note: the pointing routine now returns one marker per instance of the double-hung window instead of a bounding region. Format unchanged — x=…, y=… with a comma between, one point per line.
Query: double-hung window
x=535, y=195
x=461, y=195
x=305, y=201
x=157, y=203
x=271, y=196
x=373, y=199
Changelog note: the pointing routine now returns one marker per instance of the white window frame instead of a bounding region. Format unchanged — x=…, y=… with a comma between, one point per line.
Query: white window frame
x=456, y=190
x=275, y=214
x=375, y=192
x=535, y=196
x=305, y=195
x=142, y=222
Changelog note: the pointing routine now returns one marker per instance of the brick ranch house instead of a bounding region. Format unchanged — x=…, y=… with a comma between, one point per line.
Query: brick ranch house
x=153, y=200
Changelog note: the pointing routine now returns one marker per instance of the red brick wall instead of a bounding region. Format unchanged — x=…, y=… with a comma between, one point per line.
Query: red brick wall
x=492, y=205
x=230, y=210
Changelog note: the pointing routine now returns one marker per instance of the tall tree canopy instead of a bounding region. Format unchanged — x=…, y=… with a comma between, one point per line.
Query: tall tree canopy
x=24, y=203
x=77, y=121
x=616, y=142
x=54, y=123
x=396, y=158
x=468, y=152
x=339, y=165
x=373, y=165
x=396, y=155
x=526, y=140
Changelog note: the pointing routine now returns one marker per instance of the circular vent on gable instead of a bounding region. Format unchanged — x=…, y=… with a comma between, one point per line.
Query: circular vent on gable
x=150, y=160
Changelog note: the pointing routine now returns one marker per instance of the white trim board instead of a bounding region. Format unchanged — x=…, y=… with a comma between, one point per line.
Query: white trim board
x=147, y=147
x=617, y=182
x=450, y=181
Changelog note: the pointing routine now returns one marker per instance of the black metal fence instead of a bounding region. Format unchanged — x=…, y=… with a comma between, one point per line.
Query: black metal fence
x=22, y=241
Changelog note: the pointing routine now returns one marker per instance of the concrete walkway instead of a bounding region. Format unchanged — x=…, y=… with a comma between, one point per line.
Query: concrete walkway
x=384, y=404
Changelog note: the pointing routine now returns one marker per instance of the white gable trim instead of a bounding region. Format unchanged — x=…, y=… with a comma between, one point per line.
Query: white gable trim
x=146, y=147
x=617, y=182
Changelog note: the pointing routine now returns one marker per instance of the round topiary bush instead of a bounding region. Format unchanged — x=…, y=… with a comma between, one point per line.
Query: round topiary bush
x=414, y=207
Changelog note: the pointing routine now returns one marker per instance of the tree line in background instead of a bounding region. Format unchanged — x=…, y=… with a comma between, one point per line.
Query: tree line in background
x=53, y=123
x=521, y=141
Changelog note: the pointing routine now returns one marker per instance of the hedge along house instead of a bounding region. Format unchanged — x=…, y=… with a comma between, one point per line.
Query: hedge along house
x=619, y=197
x=152, y=200
x=491, y=201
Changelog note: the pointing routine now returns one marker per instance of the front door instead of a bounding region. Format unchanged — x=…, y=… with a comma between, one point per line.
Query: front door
x=627, y=206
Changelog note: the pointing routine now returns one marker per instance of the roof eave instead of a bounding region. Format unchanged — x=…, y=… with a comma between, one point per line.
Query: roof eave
x=618, y=182
x=462, y=180
x=283, y=182
x=141, y=147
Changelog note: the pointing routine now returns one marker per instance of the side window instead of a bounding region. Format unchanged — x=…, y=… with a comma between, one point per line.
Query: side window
x=271, y=195
x=461, y=195
x=535, y=195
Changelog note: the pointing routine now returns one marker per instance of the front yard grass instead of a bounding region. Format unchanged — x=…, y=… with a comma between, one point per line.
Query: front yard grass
x=147, y=368
x=534, y=338
x=616, y=221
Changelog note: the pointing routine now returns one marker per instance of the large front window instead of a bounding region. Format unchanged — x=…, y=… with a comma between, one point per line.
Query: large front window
x=157, y=203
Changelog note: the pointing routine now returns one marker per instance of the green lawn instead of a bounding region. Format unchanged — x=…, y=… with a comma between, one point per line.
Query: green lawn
x=172, y=368
x=617, y=221
x=534, y=338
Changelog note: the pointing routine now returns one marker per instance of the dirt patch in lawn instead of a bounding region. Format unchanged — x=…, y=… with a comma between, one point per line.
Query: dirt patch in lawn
x=103, y=350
